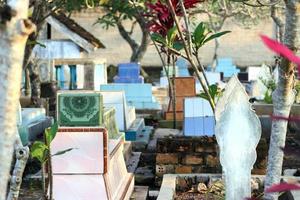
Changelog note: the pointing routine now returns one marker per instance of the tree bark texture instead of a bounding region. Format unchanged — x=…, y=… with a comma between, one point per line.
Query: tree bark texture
x=13, y=36
x=22, y=154
x=283, y=98
x=138, y=50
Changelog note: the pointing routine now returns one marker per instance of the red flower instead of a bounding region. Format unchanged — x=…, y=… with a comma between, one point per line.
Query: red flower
x=162, y=19
x=281, y=50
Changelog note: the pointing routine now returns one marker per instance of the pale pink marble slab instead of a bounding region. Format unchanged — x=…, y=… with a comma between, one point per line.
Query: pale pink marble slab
x=79, y=187
x=87, y=157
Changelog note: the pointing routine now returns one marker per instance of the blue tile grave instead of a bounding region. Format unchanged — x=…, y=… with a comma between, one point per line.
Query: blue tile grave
x=182, y=66
x=128, y=73
x=226, y=66
x=137, y=95
x=198, y=117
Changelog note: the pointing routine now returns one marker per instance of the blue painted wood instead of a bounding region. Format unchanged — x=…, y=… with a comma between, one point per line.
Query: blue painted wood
x=73, y=77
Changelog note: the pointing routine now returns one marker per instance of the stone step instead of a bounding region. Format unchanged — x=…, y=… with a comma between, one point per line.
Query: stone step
x=140, y=193
x=133, y=162
x=127, y=151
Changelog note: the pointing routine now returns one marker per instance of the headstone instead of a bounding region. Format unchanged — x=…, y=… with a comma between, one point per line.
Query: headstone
x=128, y=73
x=79, y=108
x=198, y=117
x=89, y=166
x=226, y=66
x=182, y=67
x=184, y=87
x=137, y=95
x=125, y=115
x=237, y=148
x=253, y=73
x=212, y=77
x=109, y=121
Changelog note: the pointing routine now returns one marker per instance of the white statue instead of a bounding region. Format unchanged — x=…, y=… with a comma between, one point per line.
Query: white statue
x=238, y=131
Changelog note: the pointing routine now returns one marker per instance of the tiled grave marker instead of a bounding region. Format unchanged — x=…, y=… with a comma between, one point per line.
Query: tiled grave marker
x=81, y=187
x=90, y=151
x=212, y=77
x=136, y=128
x=184, y=87
x=237, y=148
x=89, y=166
x=253, y=73
x=198, y=117
x=109, y=121
x=182, y=67
x=226, y=66
x=31, y=123
x=125, y=115
x=137, y=95
x=128, y=73
x=79, y=108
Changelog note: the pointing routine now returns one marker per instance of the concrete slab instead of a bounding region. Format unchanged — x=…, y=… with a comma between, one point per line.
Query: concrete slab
x=160, y=133
x=140, y=193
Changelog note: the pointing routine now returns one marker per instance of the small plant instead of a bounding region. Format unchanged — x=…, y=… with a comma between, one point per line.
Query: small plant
x=214, y=91
x=271, y=86
x=42, y=152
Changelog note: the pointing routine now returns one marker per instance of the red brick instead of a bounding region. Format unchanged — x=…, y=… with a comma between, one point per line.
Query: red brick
x=212, y=161
x=193, y=160
x=166, y=158
x=183, y=169
x=164, y=169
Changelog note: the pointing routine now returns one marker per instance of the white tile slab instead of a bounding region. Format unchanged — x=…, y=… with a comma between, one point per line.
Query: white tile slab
x=86, y=158
x=79, y=187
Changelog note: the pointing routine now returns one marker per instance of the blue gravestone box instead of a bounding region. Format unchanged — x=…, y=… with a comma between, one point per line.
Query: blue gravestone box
x=131, y=70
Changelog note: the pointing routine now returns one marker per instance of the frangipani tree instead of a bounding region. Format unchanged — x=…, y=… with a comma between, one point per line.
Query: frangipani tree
x=14, y=30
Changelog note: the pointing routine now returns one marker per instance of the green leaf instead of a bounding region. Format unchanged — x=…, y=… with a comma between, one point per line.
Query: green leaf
x=158, y=38
x=171, y=36
x=216, y=35
x=50, y=133
x=63, y=152
x=198, y=34
x=178, y=46
x=39, y=151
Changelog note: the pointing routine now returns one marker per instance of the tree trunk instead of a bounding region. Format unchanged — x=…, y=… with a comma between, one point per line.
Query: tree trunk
x=22, y=154
x=13, y=36
x=214, y=63
x=138, y=50
x=283, y=98
x=38, y=15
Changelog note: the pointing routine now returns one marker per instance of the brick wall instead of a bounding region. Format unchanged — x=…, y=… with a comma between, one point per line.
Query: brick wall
x=181, y=155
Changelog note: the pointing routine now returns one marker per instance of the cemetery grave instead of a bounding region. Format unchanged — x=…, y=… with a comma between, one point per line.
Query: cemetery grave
x=96, y=123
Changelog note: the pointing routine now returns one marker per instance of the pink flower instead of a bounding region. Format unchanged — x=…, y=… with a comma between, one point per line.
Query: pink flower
x=281, y=50
x=282, y=187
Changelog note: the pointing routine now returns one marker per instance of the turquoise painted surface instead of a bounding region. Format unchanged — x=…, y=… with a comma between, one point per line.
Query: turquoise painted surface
x=137, y=95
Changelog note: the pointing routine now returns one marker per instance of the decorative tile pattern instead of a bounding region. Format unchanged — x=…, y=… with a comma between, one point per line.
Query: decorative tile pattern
x=109, y=120
x=79, y=108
